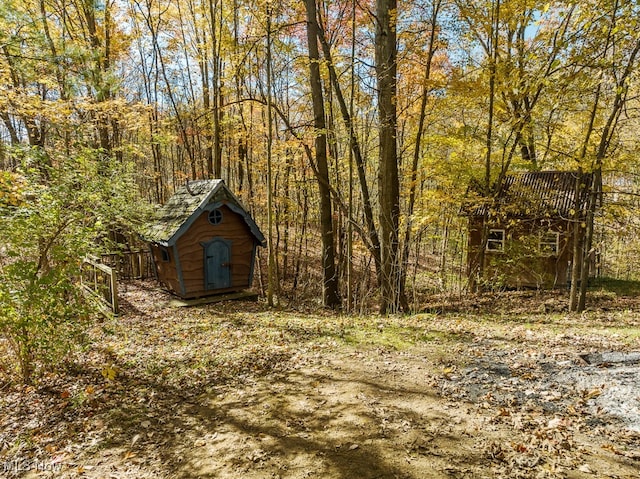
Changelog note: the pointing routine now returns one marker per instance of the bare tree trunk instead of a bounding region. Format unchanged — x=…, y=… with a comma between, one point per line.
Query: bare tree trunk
x=495, y=17
x=206, y=98
x=417, y=150
x=372, y=239
x=271, y=267
x=216, y=87
x=577, y=243
x=350, y=206
x=388, y=181
x=330, y=296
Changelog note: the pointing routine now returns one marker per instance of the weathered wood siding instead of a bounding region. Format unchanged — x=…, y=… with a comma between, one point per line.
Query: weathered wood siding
x=191, y=252
x=166, y=270
x=521, y=265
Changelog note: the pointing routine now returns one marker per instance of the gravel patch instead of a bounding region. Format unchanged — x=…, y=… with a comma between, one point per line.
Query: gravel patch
x=607, y=392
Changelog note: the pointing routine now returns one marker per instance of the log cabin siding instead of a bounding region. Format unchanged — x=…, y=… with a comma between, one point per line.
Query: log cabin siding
x=166, y=270
x=190, y=248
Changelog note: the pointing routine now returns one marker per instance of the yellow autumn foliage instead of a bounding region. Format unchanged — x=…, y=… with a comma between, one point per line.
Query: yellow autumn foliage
x=11, y=190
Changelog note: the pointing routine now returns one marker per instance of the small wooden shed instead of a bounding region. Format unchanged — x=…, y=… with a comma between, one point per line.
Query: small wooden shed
x=203, y=241
x=524, y=235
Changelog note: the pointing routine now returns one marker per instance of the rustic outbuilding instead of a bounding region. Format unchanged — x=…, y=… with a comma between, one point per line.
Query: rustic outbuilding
x=523, y=237
x=203, y=241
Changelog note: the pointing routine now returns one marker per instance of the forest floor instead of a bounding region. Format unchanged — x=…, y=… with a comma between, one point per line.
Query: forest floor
x=490, y=386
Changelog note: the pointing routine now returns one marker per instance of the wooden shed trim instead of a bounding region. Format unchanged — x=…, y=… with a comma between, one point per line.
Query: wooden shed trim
x=253, y=227
x=169, y=237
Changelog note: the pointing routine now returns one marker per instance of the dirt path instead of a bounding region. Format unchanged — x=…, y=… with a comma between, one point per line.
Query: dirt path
x=377, y=415
x=358, y=415
x=241, y=391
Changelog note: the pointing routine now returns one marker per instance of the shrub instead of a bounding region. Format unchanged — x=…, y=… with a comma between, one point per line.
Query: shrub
x=42, y=316
x=54, y=221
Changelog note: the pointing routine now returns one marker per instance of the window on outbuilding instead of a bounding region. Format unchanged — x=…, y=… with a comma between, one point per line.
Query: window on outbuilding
x=549, y=243
x=164, y=254
x=495, y=240
x=215, y=216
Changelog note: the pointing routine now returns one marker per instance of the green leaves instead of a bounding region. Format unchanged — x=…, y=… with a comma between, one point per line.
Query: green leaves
x=58, y=215
x=41, y=315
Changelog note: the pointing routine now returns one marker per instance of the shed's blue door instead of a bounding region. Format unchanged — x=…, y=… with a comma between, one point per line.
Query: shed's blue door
x=217, y=266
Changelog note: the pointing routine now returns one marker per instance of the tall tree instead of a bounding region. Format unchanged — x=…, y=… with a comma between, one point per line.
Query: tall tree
x=417, y=152
x=386, y=51
x=271, y=265
x=618, y=62
x=369, y=233
x=330, y=296
x=215, y=17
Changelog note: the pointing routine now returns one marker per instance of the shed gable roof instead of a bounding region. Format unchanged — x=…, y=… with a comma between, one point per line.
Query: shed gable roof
x=187, y=203
x=537, y=194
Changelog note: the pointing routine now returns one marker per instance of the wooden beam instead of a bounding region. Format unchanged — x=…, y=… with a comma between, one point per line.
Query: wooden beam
x=241, y=295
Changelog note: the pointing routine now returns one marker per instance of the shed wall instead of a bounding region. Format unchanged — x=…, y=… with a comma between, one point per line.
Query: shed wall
x=521, y=265
x=166, y=270
x=191, y=252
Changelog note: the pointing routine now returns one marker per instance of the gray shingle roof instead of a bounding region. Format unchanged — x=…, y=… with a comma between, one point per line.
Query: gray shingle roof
x=188, y=202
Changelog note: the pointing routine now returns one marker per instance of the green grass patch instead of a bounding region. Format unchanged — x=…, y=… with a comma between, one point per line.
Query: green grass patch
x=620, y=287
x=438, y=336
x=390, y=337
x=629, y=335
x=402, y=332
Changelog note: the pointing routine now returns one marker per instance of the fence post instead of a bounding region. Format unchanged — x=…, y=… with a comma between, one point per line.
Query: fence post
x=114, y=291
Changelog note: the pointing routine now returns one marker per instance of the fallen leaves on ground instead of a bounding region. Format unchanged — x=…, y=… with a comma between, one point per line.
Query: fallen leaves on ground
x=255, y=392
